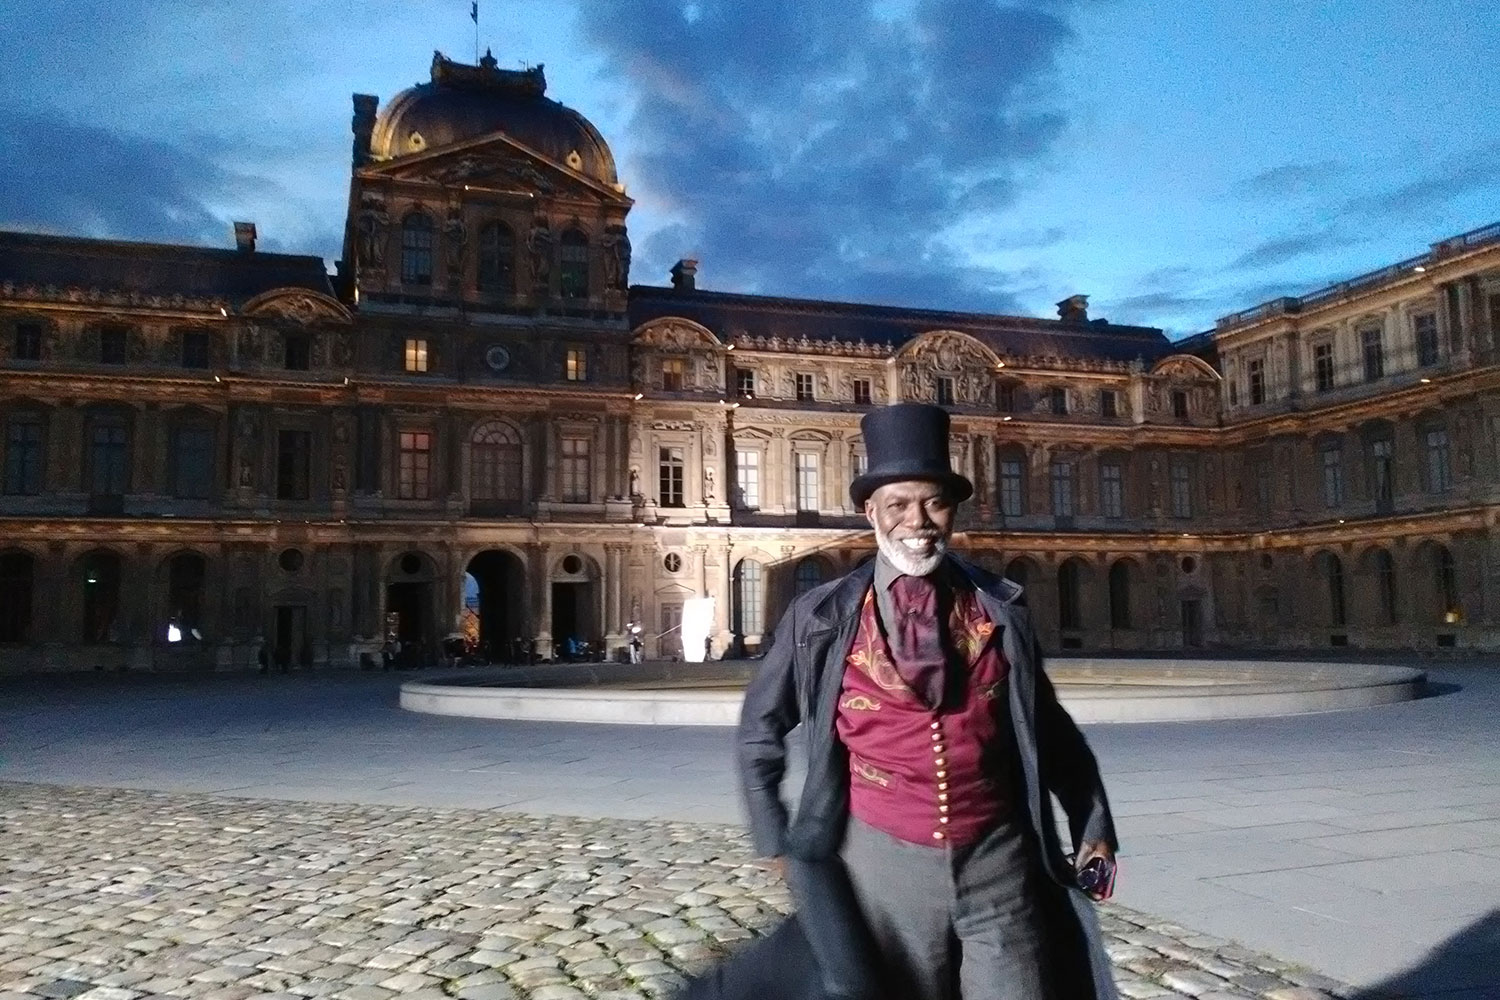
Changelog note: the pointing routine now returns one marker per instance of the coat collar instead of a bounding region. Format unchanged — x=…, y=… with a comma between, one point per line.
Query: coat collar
x=842, y=599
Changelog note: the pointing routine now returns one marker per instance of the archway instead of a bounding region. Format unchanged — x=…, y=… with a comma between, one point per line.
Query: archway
x=495, y=597
x=1330, y=571
x=1436, y=574
x=186, y=575
x=576, y=626
x=410, y=622
x=1123, y=574
x=1070, y=582
x=1020, y=571
x=17, y=579
x=101, y=596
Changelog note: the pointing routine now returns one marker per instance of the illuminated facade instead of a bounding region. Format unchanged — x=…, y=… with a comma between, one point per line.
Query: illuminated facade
x=209, y=450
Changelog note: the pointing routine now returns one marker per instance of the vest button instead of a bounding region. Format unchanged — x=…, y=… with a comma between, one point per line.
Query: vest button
x=942, y=774
x=937, y=736
x=943, y=797
x=937, y=834
x=940, y=762
x=936, y=725
x=942, y=785
x=937, y=748
x=942, y=819
x=943, y=809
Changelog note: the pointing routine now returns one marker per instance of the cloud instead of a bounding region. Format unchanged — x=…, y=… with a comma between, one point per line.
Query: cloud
x=1290, y=180
x=825, y=149
x=1287, y=248
x=71, y=178
x=1476, y=170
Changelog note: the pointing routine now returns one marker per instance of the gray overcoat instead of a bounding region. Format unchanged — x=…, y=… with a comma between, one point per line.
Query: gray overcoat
x=799, y=682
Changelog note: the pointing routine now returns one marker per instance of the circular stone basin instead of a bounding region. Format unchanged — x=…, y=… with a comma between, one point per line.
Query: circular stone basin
x=1092, y=690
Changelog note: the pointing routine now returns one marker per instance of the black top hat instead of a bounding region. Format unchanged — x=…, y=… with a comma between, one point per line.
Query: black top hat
x=907, y=441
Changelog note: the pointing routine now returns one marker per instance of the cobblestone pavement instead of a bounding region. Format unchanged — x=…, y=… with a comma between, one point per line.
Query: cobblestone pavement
x=117, y=895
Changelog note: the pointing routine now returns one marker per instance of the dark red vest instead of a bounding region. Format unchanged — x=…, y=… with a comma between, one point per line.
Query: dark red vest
x=927, y=776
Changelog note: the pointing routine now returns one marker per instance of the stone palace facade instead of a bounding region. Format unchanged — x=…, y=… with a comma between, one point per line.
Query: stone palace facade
x=205, y=450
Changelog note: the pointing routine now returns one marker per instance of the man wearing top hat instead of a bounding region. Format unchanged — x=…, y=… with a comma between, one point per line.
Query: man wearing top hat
x=935, y=744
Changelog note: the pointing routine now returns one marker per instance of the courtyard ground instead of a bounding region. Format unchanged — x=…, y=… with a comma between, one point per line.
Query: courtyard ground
x=1362, y=845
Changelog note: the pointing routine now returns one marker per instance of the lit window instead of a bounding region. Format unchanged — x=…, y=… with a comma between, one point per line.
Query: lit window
x=577, y=365
x=807, y=481
x=669, y=468
x=747, y=478
x=415, y=472
x=671, y=374
x=576, y=470
x=416, y=355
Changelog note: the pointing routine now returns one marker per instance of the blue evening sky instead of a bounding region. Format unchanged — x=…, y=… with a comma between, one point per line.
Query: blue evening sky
x=1174, y=161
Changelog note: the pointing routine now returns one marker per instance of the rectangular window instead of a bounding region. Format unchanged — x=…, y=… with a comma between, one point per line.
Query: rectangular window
x=1062, y=489
x=576, y=470
x=195, y=348
x=1333, y=477
x=1424, y=325
x=861, y=463
x=747, y=478
x=414, y=474
x=1439, y=464
x=744, y=380
x=23, y=456
x=1182, y=489
x=1112, y=490
x=1374, y=353
x=193, y=463
x=807, y=481
x=1059, y=398
x=1109, y=404
x=297, y=352
x=944, y=391
x=1383, y=473
x=671, y=374
x=28, y=344
x=861, y=392
x=293, y=465
x=669, y=469
x=1180, y=405
x=576, y=367
x=112, y=345
x=804, y=387
x=109, y=451
x=1257, y=382
x=1323, y=366
x=1007, y=397
x=1012, y=487
x=416, y=356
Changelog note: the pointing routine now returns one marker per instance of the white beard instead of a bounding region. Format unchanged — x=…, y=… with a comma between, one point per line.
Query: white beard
x=905, y=560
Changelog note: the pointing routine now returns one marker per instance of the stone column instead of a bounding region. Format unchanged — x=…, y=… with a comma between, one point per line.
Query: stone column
x=541, y=598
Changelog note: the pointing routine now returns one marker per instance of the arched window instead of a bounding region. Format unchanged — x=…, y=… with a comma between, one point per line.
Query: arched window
x=497, y=259
x=1445, y=580
x=1069, y=595
x=1119, y=595
x=416, y=249
x=101, y=596
x=573, y=265
x=185, y=576
x=1385, y=579
x=17, y=577
x=749, y=598
x=495, y=468
x=809, y=575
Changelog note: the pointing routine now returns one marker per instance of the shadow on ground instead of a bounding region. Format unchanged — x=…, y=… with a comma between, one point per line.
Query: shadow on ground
x=1434, y=689
x=1462, y=968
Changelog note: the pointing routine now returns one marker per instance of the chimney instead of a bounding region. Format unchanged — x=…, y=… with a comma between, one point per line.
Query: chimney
x=1074, y=309
x=244, y=236
x=365, y=107
x=685, y=275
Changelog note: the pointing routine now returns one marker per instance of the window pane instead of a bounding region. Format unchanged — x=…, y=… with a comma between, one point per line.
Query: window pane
x=576, y=469
x=749, y=604
x=945, y=391
x=1333, y=477
x=194, y=463
x=745, y=383
x=576, y=366
x=807, y=481
x=1323, y=364
x=1373, y=353
x=195, y=349
x=112, y=346
x=23, y=456
x=416, y=250
x=415, y=471
x=671, y=374
x=573, y=260
x=1182, y=490
x=1012, y=486
x=28, y=345
x=747, y=478
x=497, y=249
x=416, y=356
x=1439, y=469
x=670, y=466
x=293, y=464
x=109, y=473
x=1111, y=490
x=1062, y=489
x=862, y=392
x=804, y=387
x=1425, y=328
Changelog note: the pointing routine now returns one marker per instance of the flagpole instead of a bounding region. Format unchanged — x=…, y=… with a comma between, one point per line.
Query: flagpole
x=474, y=14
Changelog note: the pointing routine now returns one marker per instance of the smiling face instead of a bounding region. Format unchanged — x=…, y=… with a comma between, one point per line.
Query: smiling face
x=913, y=523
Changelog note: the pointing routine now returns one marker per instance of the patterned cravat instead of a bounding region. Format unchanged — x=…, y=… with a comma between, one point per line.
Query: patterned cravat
x=916, y=637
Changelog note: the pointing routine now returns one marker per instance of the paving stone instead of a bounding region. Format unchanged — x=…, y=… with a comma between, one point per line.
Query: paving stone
x=1193, y=982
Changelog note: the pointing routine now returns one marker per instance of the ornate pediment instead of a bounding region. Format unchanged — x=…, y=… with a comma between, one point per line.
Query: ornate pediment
x=498, y=163
x=297, y=305
x=949, y=352
x=1184, y=366
x=672, y=333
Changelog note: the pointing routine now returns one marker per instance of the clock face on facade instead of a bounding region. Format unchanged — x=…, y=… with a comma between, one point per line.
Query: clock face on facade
x=498, y=358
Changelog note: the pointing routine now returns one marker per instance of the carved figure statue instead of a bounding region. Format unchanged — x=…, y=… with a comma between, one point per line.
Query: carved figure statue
x=635, y=482
x=708, y=484
x=616, y=245
x=455, y=241
x=372, y=225
x=539, y=243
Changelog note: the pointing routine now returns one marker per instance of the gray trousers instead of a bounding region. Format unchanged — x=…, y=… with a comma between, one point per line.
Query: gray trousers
x=951, y=923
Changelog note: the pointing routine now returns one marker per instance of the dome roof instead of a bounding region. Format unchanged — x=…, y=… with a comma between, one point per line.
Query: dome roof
x=469, y=102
